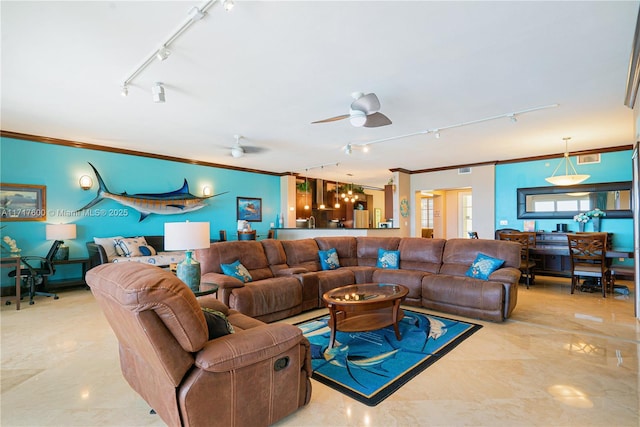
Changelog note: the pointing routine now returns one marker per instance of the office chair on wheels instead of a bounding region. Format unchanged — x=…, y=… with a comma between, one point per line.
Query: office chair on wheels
x=32, y=273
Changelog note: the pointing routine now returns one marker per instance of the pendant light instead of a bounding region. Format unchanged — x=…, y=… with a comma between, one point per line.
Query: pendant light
x=306, y=191
x=568, y=178
x=337, y=205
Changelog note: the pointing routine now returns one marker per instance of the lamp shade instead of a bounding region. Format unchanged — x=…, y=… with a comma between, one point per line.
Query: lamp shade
x=186, y=235
x=60, y=231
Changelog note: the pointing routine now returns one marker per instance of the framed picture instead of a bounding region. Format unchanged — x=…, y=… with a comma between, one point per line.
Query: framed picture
x=249, y=209
x=588, y=158
x=23, y=202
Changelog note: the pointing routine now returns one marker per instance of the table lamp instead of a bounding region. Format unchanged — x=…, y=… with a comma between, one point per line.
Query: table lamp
x=61, y=232
x=187, y=236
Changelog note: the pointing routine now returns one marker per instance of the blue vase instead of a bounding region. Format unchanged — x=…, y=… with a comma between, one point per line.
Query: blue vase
x=596, y=223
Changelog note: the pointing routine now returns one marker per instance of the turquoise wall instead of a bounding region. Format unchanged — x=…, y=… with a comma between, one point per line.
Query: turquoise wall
x=59, y=169
x=613, y=167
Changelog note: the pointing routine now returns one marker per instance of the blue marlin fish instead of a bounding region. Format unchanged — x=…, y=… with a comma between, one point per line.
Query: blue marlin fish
x=175, y=202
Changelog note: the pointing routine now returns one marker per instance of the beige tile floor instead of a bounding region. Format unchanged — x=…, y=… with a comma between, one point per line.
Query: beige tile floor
x=561, y=360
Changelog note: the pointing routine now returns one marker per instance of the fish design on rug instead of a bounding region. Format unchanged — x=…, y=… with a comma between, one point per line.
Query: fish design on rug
x=175, y=202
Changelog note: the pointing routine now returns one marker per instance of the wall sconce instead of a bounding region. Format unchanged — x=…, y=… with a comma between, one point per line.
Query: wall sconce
x=86, y=182
x=206, y=191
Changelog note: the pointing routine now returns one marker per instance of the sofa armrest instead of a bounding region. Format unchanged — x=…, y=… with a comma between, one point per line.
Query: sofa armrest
x=506, y=275
x=97, y=254
x=235, y=351
x=222, y=280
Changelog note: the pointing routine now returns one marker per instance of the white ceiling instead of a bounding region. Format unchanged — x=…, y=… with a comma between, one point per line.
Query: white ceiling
x=267, y=69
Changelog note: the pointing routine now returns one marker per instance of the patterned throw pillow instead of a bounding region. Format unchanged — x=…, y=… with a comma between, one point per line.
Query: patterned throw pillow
x=237, y=270
x=217, y=323
x=132, y=247
x=483, y=266
x=108, y=244
x=329, y=259
x=388, y=259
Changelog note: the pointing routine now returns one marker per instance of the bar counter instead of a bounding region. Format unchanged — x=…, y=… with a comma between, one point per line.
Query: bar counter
x=306, y=233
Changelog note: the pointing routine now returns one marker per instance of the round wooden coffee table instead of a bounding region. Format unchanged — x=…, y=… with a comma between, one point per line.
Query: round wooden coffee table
x=366, y=307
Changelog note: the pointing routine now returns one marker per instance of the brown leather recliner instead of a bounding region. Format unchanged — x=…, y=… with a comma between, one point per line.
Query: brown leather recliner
x=252, y=377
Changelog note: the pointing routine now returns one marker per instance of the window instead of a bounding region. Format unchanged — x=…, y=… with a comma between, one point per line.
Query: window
x=426, y=212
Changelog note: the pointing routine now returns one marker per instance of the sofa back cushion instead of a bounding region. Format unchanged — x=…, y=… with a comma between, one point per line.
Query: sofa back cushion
x=250, y=253
x=418, y=253
x=344, y=245
x=368, y=248
x=276, y=257
x=459, y=254
x=302, y=253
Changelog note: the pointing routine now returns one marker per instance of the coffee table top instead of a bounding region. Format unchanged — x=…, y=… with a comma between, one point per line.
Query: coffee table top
x=365, y=292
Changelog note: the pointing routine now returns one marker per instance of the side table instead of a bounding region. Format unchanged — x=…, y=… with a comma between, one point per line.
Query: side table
x=213, y=289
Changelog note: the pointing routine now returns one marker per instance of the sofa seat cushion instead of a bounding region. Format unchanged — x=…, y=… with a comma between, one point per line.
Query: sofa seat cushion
x=412, y=279
x=464, y=296
x=331, y=279
x=261, y=298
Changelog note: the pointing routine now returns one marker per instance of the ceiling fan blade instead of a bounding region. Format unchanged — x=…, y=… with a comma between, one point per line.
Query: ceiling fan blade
x=376, y=120
x=368, y=103
x=249, y=149
x=333, y=119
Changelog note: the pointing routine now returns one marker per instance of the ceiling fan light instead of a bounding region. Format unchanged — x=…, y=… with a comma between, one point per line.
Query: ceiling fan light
x=237, y=151
x=357, y=118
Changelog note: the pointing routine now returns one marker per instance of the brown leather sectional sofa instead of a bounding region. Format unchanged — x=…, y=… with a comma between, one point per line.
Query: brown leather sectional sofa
x=288, y=278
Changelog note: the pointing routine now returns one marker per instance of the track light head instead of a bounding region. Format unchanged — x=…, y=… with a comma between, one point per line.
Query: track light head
x=163, y=53
x=195, y=14
x=228, y=5
x=157, y=90
x=124, y=91
x=437, y=134
x=348, y=149
x=513, y=118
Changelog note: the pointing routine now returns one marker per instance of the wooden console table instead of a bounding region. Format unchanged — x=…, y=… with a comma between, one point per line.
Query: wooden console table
x=551, y=254
x=75, y=281
x=14, y=262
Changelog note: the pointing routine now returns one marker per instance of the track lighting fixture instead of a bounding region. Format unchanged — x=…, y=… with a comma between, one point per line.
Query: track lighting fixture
x=157, y=90
x=348, y=149
x=228, y=5
x=163, y=53
x=124, y=91
x=436, y=131
x=196, y=14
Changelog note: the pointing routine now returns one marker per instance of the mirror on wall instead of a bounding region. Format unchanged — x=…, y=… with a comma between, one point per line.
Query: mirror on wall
x=564, y=202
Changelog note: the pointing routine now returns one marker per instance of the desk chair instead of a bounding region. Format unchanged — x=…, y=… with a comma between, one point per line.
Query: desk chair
x=32, y=273
x=527, y=239
x=588, y=259
x=247, y=235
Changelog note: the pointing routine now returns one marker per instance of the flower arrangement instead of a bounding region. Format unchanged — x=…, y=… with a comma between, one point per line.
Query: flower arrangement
x=11, y=246
x=596, y=213
x=582, y=217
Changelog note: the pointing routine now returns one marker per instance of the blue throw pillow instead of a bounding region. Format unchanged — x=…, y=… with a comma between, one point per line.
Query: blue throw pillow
x=329, y=259
x=483, y=266
x=237, y=270
x=388, y=259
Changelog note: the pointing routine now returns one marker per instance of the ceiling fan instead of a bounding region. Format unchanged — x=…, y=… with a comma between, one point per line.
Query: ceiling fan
x=238, y=150
x=363, y=112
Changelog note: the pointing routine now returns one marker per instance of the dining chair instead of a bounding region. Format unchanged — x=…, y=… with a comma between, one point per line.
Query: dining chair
x=527, y=239
x=247, y=235
x=587, y=252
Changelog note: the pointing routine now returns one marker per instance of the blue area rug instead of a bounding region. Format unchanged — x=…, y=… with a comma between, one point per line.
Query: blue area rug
x=370, y=366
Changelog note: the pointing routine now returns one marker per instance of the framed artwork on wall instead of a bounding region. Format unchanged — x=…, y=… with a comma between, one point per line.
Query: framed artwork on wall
x=249, y=209
x=23, y=202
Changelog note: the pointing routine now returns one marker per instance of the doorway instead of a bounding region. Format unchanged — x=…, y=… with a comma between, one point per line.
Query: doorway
x=465, y=208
